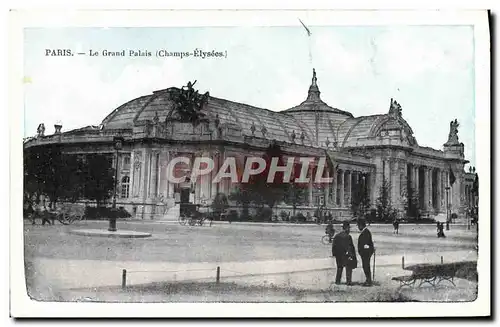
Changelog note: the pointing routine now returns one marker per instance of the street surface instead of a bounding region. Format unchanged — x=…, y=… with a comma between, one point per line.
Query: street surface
x=261, y=262
x=229, y=242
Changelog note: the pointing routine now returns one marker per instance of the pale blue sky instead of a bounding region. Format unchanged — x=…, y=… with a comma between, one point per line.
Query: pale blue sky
x=429, y=70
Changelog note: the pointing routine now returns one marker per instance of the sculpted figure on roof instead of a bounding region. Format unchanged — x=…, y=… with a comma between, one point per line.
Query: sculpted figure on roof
x=395, y=109
x=189, y=104
x=453, y=135
x=41, y=130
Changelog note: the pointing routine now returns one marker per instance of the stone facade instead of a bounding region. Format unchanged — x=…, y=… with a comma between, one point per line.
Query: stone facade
x=377, y=146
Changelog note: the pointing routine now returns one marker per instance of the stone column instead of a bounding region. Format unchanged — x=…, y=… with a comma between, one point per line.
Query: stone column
x=216, y=186
x=416, y=182
x=373, y=186
x=334, y=188
x=341, y=188
x=462, y=192
x=386, y=164
x=131, y=175
x=431, y=190
x=153, y=176
x=439, y=190
x=170, y=186
x=368, y=185
x=326, y=188
x=395, y=176
x=352, y=186
x=145, y=175
x=426, y=189
x=347, y=195
x=310, y=187
x=136, y=173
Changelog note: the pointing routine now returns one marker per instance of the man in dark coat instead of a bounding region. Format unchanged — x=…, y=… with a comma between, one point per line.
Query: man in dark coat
x=365, y=249
x=344, y=253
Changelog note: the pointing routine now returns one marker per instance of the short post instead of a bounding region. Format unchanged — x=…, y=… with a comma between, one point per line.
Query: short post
x=403, y=262
x=217, y=276
x=441, y=259
x=373, y=278
x=124, y=278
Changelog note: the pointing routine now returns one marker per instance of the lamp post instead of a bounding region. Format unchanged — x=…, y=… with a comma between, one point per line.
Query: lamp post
x=118, y=143
x=447, y=208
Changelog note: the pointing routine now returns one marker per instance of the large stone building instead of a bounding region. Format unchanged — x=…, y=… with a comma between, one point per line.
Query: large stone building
x=380, y=147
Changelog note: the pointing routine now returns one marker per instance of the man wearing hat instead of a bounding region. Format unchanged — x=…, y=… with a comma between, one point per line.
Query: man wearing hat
x=344, y=253
x=365, y=249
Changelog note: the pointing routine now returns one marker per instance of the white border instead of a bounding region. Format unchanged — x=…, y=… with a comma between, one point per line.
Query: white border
x=22, y=306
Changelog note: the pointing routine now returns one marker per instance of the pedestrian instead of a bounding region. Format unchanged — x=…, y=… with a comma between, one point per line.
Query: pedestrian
x=395, y=223
x=45, y=216
x=330, y=231
x=34, y=213
x=330, y=217
x=440, y=230
x=366, y=250
x=344, y=253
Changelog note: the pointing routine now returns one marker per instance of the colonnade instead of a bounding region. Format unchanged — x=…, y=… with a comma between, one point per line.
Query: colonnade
x=430, y=184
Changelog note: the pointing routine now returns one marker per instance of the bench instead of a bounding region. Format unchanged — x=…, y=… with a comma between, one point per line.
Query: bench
x=431, y=274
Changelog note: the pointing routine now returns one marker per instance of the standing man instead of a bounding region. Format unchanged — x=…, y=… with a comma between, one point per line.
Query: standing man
x=366, y=250
x=344, y=253
x=395, y=224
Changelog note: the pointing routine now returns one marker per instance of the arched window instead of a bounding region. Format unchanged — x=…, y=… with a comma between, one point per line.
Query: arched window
x=125, y=185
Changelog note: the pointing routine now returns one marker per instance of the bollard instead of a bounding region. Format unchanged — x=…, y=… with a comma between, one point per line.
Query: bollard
x=124, y=278
x=373, y=278
x=441, y=259
x=403, y=262
x=217, y=276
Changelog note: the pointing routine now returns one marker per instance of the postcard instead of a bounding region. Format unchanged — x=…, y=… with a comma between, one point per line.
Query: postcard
x=250, y=163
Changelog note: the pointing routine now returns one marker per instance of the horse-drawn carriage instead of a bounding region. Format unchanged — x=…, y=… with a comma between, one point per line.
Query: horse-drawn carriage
x=195, y=214
x=65, y=213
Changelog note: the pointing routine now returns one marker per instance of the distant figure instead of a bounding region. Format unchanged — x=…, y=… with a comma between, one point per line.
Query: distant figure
x=330, y=231
x=45, y=216
x=440, y=230
x=344, y=253
x=395, y=223
x=33, y=213
x=365, y=250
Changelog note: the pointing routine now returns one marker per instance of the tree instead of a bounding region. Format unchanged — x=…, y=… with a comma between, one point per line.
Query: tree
x=411, y=202
x=269, y=193
x=295, y=195
x=258, y=190
x=219, y=204
x=244, y=196
x=45, y=173
x=99, y=178
x=385, y=211
x=74, y=179
x=360, y=200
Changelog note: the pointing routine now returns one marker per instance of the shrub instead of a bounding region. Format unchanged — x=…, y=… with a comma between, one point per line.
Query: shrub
x=299, y=218
x=220, y=203
x=105, y=213
x=232, y=215
x=263, y=214
x=284, y=215
x=413, y=220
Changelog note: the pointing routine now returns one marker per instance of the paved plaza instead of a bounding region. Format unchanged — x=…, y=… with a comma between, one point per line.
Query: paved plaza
x=288, y=261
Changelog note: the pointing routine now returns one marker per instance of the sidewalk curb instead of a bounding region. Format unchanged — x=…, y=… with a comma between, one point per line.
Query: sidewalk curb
x=248, y=223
